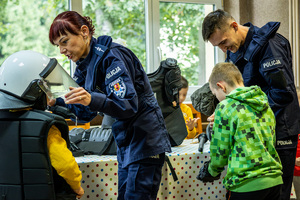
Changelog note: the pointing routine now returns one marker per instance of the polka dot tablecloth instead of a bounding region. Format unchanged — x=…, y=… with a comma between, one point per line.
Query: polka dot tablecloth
x=100, y=178
x=186, y=160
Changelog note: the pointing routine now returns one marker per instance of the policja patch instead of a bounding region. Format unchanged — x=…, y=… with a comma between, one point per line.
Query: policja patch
x=118, y=87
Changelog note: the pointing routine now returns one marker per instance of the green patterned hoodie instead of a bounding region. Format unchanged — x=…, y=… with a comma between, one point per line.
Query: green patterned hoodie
x=243, y=138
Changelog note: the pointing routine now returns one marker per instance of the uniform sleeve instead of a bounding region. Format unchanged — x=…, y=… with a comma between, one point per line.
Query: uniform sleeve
x=276, y=69
x=221, y=142
x=83, y=113
x=62, y=159
x=121, y=100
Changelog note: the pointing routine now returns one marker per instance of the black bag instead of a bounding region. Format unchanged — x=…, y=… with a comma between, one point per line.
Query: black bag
x=176, y=127
x=96, y=140
x=204, y=101
x=166, y=83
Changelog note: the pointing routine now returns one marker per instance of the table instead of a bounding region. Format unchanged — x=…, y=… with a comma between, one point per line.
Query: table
x=100, y=177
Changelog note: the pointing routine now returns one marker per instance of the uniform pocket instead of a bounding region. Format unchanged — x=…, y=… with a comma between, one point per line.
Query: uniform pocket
x=140, y=177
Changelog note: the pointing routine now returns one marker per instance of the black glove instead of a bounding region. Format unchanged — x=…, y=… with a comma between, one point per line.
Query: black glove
x=62, y=111
x=205, y=176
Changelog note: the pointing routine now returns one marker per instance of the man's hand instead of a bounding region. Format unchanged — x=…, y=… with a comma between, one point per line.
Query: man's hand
x=205, y=176
x=211, y=120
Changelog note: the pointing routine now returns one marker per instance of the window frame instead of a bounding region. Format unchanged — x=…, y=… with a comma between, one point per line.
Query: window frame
x=153, y=37
x=153, y=26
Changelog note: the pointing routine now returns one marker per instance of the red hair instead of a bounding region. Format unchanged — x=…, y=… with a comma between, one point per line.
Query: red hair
x=69, y=21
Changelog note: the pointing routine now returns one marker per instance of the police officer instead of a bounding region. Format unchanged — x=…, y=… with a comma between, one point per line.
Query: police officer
x=264, y=58
x=112, y=80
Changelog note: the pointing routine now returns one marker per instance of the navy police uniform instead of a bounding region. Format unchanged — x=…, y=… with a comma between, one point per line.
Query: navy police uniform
x=119, y=87
x=265, y=60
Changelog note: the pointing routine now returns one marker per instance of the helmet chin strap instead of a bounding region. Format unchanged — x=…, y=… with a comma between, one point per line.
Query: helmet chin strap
x=41, y=102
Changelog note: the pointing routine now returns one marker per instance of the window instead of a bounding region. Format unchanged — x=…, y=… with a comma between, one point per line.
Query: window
x=153, y=29
x=123, y=20
x=174, y=30
x=25, y=26
x=175, y=27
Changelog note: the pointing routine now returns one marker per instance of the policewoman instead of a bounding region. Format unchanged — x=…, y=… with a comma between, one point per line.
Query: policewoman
x=113, y=81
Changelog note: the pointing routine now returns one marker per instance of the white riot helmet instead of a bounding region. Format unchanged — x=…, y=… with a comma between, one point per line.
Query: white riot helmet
x=24, y=74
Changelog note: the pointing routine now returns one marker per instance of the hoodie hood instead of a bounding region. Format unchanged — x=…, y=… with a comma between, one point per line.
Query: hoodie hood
x=252, y=96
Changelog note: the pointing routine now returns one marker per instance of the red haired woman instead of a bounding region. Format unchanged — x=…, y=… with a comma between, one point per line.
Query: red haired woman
x=139, y=129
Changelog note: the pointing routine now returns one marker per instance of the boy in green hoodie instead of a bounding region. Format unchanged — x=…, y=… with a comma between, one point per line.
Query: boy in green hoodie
x=243, y=138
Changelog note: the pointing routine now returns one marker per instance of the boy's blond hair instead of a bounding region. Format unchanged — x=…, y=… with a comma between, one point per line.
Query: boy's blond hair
x=226, y=72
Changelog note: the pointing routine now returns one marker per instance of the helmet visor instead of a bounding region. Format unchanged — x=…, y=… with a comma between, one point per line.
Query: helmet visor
x=55, y=81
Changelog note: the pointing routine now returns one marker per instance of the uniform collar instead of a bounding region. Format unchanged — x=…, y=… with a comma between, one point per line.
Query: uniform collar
x=248, y=37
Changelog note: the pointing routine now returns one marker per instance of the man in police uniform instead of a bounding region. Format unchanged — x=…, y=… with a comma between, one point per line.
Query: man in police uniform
x=264, y=59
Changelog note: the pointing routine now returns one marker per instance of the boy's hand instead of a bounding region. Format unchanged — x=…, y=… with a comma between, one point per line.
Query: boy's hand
x=79, y=192
x=51, y=102
x=191, y=123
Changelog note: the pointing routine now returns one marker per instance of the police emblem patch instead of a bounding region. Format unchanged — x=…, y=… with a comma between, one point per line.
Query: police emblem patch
x=118, y=87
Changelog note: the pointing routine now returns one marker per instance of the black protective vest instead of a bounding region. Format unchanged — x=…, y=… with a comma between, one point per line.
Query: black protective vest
x=25, y=169
x=166, y=83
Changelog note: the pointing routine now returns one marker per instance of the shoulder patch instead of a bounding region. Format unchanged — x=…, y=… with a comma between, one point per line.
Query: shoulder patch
x=270, y=64
x=115, y=70
x=100, y=49
x=118, y=87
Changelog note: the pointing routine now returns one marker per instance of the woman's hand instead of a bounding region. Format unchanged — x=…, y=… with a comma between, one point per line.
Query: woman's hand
x=78, y=95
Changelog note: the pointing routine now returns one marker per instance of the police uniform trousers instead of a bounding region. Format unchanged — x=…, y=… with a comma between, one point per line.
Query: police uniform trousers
x=141, y=179
x=286, y=149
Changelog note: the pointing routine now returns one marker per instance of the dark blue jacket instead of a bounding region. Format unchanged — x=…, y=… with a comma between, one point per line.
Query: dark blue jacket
x=265, y=60
x=119, y=87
